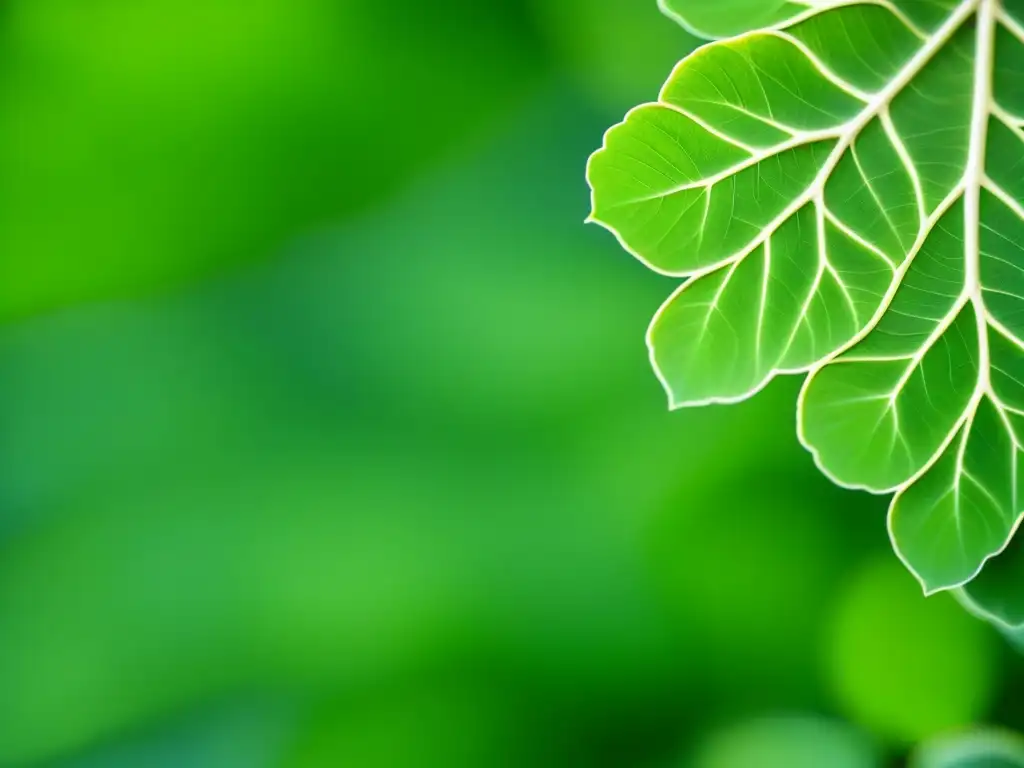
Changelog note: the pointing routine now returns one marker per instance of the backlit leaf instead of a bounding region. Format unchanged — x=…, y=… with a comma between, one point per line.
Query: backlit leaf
x=842, y=191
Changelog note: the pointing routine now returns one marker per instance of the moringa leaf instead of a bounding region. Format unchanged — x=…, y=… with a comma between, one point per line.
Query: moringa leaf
x=843, y=192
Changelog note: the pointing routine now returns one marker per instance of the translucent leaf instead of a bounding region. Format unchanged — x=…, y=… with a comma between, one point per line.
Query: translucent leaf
x=842, y=191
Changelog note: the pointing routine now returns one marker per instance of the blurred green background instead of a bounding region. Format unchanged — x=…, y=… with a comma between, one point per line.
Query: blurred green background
x=328, y=438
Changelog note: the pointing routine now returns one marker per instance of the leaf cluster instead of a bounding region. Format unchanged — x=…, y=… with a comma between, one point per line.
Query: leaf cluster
x=839, y=187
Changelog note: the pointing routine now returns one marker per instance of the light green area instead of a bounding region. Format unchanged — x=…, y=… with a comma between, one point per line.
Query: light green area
x=786, y=742
x=980, y=749
x=902, y=666
x=845, y=195
x=728, y=17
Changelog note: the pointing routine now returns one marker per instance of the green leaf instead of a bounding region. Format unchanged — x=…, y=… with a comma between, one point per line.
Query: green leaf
x=901, y=666
x=993, y=749
x=843, y=192
x=786, y=742
x=726, y=18
x=997, y=593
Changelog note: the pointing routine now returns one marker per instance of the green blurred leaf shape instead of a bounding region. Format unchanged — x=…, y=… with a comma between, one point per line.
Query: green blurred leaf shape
x=726, y=18
x=842, y=194
x=976, y=750
x=787, y=742
x=901, y=666
x=179, y=153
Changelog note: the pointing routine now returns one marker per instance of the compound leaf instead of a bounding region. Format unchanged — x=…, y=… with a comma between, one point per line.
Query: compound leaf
x=843, y=191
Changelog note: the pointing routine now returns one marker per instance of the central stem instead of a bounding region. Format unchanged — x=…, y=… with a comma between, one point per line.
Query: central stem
x=984, y=61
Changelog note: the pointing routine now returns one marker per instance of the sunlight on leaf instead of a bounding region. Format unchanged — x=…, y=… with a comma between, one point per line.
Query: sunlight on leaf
x=842, y=192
